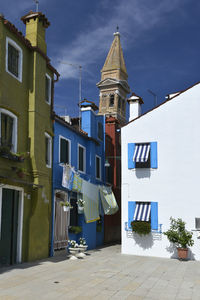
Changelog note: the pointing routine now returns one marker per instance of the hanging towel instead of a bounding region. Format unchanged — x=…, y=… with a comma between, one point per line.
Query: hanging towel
x=77, y=183
x=108, y=200
x=68, y=177
x=91, y=197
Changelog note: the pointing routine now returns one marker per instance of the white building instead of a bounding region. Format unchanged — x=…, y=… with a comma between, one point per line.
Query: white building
x=167, y=177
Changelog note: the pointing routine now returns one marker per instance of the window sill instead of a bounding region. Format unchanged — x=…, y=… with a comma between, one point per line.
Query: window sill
x=12, y=157
x=14, y=76
x=152, y=230
x=82, y=172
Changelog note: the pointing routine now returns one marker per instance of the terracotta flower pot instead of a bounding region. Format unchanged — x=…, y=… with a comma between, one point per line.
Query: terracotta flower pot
x=182, y=253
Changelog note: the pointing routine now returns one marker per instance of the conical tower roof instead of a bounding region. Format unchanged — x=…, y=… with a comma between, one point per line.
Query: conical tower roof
x=115, y=58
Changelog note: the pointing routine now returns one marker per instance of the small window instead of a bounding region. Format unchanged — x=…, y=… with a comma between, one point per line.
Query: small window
x=119, y=102
x=100, y=131
x=112, y=98
x=98, y=167
x=48, y=89
x=13, y=59
x=81, y=158
x=48, y=150
x=64, y=150
x=141, y=155
x=8, y=130
x=143, y=211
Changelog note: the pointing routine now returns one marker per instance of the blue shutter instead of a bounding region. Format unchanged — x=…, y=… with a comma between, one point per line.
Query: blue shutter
x=154, y=156
x=154, y=215
x=131, y=210
x=131, y=149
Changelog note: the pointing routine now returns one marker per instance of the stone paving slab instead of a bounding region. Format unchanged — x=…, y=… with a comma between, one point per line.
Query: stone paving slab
x=103, y=274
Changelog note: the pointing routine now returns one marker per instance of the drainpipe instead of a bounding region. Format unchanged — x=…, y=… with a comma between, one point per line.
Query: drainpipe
x=52, y=205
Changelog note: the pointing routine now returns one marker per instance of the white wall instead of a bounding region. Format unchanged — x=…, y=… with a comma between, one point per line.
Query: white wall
x=175, y=126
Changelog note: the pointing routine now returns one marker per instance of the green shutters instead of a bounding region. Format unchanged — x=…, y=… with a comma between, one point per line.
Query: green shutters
x=6, y=130
x=13, y=60
x=9, y=227
x=64, y=151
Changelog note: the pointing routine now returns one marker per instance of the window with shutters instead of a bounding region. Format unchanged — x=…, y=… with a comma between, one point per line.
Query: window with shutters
x=48, y=150
x=143, y=211
x=142, y=155
x=65, y=151
x=13, y=59
x=81, y=158
x=8, y=130
x=48, y=89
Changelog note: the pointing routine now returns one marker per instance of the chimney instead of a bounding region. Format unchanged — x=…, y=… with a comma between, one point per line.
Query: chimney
x=88, y=109
x=135, y=103
x=36, y=24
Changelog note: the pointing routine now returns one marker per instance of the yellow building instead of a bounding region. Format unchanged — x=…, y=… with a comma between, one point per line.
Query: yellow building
x=26, y=132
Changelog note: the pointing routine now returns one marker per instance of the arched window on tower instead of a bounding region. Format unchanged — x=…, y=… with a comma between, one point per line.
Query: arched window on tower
x=112, y=98
x=123, y=105
x=119, y=102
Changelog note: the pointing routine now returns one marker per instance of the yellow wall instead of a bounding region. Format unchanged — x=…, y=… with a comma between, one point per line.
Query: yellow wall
x=26, y=100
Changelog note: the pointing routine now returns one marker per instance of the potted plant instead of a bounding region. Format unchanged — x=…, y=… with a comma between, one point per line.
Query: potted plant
x=66, y=205
x=73, y=248
x=80, y=204
x=141, y=227
x=4, y=151
x=82, y=244
x=21, y=172
x=178, y=235
x=99, y=225
x=75, y=229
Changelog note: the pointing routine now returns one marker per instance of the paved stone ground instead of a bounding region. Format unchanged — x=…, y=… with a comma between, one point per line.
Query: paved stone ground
x=103, y=274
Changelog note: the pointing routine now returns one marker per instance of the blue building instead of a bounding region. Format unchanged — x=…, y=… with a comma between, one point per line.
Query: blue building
x=83, y=150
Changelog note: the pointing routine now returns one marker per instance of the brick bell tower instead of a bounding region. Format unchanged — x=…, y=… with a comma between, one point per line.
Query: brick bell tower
x=113, y=85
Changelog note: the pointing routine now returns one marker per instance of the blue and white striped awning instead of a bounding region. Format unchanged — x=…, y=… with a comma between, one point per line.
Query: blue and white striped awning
x=141, y=153
x=142, y=212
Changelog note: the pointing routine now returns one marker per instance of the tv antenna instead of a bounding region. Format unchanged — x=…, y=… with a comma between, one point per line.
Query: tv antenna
x=37, y=4
x=155, y=97
x=80, y=85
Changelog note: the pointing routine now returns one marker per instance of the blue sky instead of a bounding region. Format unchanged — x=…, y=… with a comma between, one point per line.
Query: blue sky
x=160, y=41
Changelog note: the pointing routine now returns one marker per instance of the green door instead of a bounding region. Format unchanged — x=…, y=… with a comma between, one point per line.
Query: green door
x=9, y=227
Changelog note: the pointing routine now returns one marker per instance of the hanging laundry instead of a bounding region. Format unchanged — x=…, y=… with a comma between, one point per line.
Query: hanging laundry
x=77, y=183
x=108, y=200
x=91, y=197
x=68, y=177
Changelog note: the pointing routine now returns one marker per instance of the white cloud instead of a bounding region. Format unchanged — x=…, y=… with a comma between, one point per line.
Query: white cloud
x=134, y=17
